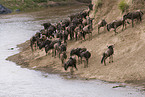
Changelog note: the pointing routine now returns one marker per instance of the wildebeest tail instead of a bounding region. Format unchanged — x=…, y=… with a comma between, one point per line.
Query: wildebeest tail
x=103, y=58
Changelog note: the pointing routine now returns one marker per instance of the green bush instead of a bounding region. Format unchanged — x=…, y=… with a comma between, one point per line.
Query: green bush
x=123, y=6
x=98, y=4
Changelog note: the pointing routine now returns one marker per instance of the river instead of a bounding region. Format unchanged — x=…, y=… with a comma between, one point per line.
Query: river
x=22, y=82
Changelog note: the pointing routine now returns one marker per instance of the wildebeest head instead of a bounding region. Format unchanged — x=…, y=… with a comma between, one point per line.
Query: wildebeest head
x=104, y=22
x=73, y=51
x=108, y=27
x=110, y=47
x=38, y=34
x=125, y=16
x=46, y=25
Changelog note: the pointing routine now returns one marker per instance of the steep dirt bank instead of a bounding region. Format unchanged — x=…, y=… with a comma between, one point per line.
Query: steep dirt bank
x=129, y=62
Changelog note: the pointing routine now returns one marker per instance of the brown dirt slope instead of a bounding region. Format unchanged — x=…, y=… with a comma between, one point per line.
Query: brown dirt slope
x=129, y=56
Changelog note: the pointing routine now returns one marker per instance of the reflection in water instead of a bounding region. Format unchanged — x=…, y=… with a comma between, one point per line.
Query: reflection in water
x=22, y=82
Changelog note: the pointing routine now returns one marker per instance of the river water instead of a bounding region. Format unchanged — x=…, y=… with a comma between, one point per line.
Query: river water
x=22, y=82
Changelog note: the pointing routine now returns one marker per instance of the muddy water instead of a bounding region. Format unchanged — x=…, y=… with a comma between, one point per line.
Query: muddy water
x=21, y=82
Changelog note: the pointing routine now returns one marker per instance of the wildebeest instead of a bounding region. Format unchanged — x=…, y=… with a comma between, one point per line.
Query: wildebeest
x=133, y=15
x=62, y=48
x=85, y=13
x=78, y=31
x=87, y=30
x=87, y=21
x=42, y=44
x=90, y=6
x=65, y=23
x=46, y=25
x=64, y=36
x=56, y=48
x=70, y=30
x=116, y=23
x=76, y=15
x=70, y=63
x=86, y=55
x=50, y=31
x=51, y=46
x=77, y=52
x=109, y=53
x=34, y=40
x=101, y=24
x=63, y=56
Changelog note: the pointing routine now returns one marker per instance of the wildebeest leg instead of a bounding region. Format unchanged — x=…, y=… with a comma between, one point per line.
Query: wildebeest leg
x=78, y=60
x=123, y=26
x=56, y=52
x=76, y=35
x=81, y=60
x=86, y=63
x=91, y=35
x=98, y=29
x=75, y=66
x=71, y=71
x=35, y=46
x=140, y=18
x=111, y=59
x=52, y=52
x=84, y=35
x=115, y=30
x=32, y=47
x=46, y=51
x=132, y=23
x=104, y=29
x=62, y=61
x=105, y=61
x=59, y=55
x=46, y=54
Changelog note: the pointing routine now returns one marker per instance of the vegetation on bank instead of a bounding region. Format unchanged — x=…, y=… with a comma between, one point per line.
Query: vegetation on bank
x=123, y=6
x=25, y=5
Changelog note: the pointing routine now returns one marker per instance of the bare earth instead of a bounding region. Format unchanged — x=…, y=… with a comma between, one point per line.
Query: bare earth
x=129, y=56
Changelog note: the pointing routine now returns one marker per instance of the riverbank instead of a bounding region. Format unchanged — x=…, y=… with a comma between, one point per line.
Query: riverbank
x=35, y=5
x=128, y=66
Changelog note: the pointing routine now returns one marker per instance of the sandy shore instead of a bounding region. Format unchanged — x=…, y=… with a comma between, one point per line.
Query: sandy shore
x=39, y=61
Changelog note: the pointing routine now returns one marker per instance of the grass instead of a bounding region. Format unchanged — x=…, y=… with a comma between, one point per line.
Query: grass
x=19, y=4
x=98, y=5
x=123, y=6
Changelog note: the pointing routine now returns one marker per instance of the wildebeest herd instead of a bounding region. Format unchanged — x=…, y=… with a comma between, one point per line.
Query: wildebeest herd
x=55, y=37
x=137, y=14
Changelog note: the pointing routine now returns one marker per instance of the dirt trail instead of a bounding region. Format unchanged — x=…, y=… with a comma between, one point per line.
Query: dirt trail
x=129, y=56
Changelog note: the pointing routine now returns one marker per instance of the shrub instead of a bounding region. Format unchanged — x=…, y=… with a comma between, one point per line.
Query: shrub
x=123, y=6
x=98, y=4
